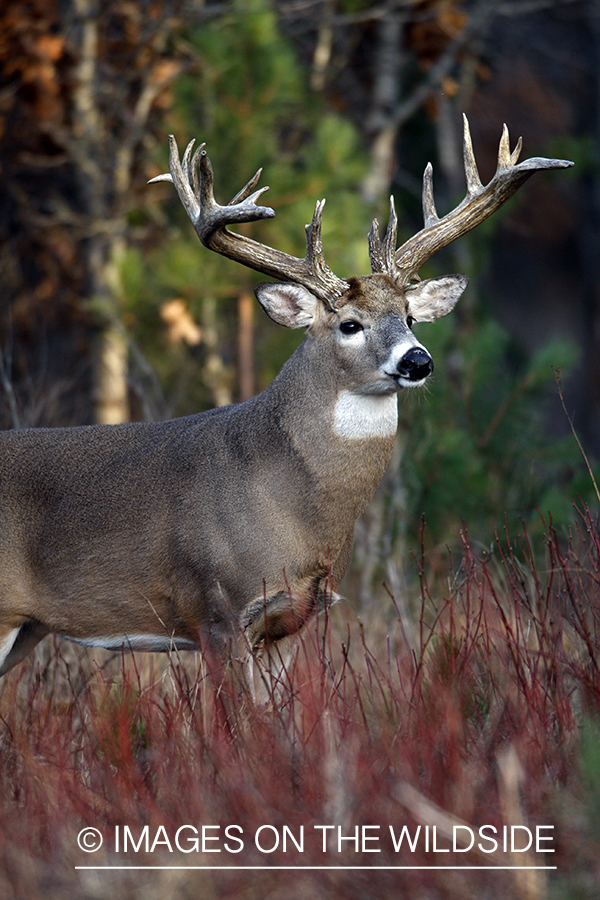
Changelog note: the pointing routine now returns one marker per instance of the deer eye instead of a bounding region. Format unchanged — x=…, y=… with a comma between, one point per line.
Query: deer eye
x=350, y=327
x=409, y=321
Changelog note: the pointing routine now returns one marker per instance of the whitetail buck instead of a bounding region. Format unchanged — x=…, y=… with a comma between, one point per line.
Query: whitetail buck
x=239, y=520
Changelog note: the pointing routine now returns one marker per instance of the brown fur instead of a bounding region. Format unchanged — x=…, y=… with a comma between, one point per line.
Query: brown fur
x=189, y=529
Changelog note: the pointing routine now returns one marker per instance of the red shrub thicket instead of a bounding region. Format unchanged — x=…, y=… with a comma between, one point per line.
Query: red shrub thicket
x=443, y=761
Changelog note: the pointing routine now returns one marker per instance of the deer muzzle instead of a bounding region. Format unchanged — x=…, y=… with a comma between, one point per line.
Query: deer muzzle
x=415, y=365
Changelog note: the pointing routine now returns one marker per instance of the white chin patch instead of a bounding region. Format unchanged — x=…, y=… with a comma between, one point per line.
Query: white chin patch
x=406, y=383
x=362, y=416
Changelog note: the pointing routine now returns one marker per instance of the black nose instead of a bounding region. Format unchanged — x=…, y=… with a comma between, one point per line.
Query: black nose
x=416, y=364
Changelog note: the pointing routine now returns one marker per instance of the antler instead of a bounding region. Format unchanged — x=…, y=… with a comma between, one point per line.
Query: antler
x=193, y=178
x=479, y=203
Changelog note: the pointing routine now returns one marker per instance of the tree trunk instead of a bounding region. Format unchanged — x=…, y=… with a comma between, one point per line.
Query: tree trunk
x=111, y=403
x=246, y=345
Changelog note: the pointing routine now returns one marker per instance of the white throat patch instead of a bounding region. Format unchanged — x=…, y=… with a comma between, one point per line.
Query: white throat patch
x=362, y=416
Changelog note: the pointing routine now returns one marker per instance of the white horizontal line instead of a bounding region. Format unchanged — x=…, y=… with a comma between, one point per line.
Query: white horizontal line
x=310, y=868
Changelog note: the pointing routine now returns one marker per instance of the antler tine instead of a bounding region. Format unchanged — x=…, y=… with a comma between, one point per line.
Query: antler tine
x=315, y=260
x=504, y=160
x=187, y=159
x=180, y=172
x=479, y=203
x=188, y=194
x=391, y=233
x=474, y=184
x=382, y=252
x=248, y=188
x=193, y=179
x=314, y=243
x=514, y=157
x=430, y=216
x=195, y=170
x=375, y=249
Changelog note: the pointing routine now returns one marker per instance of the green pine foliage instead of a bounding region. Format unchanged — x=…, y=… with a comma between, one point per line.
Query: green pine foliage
x=475, y=443
x=248, y=99
x=479, y=449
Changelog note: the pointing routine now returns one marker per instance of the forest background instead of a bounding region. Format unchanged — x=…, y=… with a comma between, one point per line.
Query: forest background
x=467, y=689
x=111, y=310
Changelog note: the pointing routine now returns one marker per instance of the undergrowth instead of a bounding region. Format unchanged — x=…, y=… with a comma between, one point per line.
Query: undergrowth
x=480, y=713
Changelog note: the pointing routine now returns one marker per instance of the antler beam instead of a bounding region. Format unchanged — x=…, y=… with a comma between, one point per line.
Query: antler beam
x=193, y=179
x=479, y=203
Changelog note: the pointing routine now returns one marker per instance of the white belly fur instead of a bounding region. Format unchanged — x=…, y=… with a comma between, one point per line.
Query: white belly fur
x=148, y=642
x=7, y=644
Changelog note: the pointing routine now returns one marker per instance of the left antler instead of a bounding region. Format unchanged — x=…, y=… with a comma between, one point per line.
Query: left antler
x=479, y=203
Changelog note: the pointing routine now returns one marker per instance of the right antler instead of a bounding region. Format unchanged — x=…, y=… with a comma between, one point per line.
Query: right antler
x=193, y=179
x=479, y=203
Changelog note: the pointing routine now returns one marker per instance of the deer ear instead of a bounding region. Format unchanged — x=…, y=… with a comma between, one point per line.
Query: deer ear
x=435, y=297
x=287, y=304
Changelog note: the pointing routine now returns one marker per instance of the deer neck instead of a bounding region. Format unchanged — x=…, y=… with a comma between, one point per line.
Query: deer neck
x=344, y=437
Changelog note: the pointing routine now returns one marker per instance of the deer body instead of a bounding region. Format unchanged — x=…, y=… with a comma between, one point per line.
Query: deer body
x=167, y=530
x=239, y=519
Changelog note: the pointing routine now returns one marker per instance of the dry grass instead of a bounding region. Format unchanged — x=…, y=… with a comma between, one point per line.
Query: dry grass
x=481, y=711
